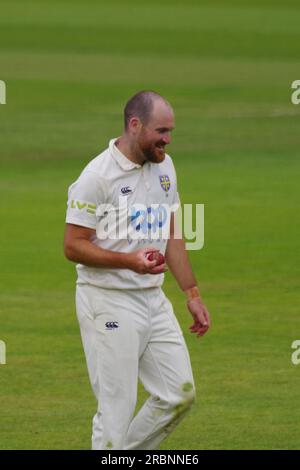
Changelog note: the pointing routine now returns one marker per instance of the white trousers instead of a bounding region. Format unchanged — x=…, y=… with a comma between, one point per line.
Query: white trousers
x=126, y=335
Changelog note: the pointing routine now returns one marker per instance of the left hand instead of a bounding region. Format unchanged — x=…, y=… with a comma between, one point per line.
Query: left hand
x=201, y=317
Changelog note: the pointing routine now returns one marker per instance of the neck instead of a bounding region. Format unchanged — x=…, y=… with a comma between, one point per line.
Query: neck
x=130, y=150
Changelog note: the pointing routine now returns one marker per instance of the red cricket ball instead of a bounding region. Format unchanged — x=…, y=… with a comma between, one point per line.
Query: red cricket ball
x=158, y=257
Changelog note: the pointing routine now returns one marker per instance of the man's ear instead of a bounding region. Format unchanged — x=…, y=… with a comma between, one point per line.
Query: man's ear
x=135, y=124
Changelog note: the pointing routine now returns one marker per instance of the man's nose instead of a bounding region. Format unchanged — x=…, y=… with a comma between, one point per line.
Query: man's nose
x=167, y=138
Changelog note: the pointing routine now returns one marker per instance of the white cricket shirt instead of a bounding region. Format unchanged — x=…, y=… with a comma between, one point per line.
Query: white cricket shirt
x=111, y=181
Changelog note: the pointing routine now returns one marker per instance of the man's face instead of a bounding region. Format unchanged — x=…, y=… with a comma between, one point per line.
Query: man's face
x=156, y=134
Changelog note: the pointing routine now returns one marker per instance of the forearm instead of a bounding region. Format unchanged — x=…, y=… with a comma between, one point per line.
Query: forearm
x=179, y=264
x=85, y=252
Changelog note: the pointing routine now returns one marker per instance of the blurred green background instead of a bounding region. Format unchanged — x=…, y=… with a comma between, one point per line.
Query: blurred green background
x=227, y=68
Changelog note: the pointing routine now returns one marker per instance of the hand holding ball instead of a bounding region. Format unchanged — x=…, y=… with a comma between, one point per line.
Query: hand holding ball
x=156, y=256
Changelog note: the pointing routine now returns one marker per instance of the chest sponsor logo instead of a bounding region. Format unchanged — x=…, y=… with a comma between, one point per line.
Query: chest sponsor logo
x=149, y=219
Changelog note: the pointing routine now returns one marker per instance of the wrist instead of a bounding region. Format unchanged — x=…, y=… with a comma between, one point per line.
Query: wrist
x=126, y=260
x=192, y=293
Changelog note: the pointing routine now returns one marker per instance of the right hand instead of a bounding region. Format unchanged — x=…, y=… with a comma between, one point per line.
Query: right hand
x=138, y=262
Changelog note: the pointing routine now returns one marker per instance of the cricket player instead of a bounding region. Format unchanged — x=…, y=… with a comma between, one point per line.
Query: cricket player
x=128, y=327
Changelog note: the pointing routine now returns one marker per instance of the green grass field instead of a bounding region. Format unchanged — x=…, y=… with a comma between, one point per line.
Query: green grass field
x=227, y=67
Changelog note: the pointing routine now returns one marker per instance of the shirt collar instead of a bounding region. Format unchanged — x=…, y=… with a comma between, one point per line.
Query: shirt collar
x=120, y=158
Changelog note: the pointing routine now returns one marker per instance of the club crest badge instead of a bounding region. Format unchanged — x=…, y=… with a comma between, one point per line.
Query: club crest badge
x=165, y=182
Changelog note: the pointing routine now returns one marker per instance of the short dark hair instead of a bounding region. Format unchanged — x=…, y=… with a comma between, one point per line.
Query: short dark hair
x=141, y=106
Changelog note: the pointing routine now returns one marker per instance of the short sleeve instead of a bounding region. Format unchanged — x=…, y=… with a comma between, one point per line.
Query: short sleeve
x=176, y=199
x=84, y=196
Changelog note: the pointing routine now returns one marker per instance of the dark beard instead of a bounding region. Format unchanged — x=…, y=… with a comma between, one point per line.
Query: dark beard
x=152, y=154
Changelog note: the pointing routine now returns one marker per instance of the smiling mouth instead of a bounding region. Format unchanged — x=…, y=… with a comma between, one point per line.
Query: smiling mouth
x=161, y=147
